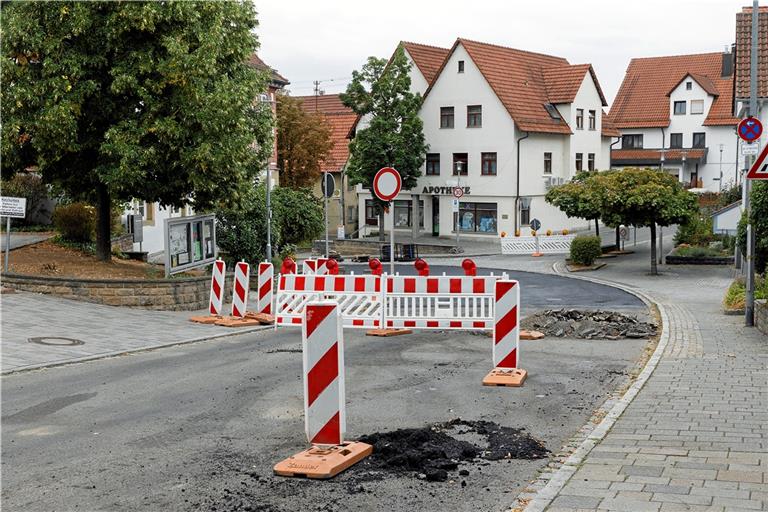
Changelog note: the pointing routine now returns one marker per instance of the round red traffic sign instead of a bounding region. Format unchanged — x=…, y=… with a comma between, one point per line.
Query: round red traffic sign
x=750, y=129
x=458, y=192
x=387, y=183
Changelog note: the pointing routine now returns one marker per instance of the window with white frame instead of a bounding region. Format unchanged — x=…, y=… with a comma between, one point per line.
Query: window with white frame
x=697, y=106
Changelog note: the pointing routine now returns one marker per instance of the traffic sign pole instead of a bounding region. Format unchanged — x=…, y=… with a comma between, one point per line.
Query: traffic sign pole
x=749, y=308
x=7, y=242
x=386, y=185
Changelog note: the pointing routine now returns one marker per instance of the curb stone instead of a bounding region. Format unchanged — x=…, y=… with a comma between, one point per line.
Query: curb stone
x=116, y=353
x=549, y=483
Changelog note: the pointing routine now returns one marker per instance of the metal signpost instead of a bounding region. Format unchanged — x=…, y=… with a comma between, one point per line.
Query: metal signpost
x=328, y=186
x=11, y=208
x=458, y=192
x=536, y=225
x=190, y=242
x=386, y=185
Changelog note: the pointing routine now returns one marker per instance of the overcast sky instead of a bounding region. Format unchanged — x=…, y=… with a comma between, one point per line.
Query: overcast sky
x=325, y=40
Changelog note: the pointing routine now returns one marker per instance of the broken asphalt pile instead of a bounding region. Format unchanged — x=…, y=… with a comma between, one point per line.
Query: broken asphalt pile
x=432, y=451
x=573, y=323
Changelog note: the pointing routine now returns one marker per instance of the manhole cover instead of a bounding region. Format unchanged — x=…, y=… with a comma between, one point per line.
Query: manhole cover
x=55, y=340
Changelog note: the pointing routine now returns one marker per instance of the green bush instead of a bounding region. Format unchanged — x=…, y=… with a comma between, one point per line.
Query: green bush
x=759, y=198
x=697, y=231
x=75, y=222
x=736, y=296
x=698, y=252
x=585, y=249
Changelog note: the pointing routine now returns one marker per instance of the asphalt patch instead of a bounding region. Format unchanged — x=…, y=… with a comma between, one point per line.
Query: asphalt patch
x=431, y=452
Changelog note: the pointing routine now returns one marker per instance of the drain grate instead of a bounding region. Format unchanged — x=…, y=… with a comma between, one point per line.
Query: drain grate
x=56, y=341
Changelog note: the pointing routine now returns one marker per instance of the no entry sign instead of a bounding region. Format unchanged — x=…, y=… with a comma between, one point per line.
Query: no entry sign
x=750, y=129
x=387, y=184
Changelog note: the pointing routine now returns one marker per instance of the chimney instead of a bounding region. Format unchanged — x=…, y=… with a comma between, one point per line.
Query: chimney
x=727, y=67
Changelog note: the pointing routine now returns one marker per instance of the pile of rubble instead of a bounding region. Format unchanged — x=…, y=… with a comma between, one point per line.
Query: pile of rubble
x=573, y=323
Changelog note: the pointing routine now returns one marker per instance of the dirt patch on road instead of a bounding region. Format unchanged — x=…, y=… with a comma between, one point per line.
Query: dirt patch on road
x=573, y=323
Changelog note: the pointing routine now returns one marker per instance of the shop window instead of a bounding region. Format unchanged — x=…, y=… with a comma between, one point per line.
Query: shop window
x=478, y=217
x=675, y=140
x=489, y=164
x=446, y=117
x=579, y=118
x=547, y=163
x=579, y=161
x=591, y=161
x=404, y=214
x=460, y=164
x=474, y=116
x=371, y=213
x=433, y=164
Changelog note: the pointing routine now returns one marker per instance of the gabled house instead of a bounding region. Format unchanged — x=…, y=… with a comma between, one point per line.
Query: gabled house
x=504, y=125
x=342, y=207
x=676, y=112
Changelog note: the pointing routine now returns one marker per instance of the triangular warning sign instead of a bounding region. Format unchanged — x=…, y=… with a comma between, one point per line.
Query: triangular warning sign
x=759, y=170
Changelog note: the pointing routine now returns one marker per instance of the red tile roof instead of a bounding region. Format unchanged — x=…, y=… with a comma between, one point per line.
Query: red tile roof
x=276, y=77
x=619, y=156
x=744, y=51
x=643, y=101
x=427, y=58
x=525, y=82
x=340, y=119
x=608, y=129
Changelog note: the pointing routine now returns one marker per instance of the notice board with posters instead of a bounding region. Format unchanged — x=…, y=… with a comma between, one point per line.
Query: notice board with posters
x=190, y=242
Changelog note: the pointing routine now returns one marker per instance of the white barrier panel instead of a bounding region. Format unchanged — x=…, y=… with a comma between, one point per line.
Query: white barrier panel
x=445, y=302
x=240, y=289
x=315, y=267
x=552, y=244
x=217, y=286
x=266, y=271
x=359, y=298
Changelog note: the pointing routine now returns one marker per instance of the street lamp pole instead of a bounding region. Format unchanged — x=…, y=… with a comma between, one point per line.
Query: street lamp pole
x=458, y=213
x=661, y=229
x=269, y=213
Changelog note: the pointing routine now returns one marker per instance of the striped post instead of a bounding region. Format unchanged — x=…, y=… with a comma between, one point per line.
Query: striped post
x=266, y=273
x=217, y=287
x=240, y=289
x=506, y=331
x=323, y=351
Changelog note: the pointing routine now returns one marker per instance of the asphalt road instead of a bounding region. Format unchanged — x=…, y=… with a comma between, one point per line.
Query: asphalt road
x=189, y=427
x=537, y=291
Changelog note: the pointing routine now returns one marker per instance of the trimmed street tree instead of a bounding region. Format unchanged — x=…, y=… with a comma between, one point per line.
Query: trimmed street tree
x=122, y=100
x=646, y=197
x=380, y=92
x=303, y=142
x=582, y=197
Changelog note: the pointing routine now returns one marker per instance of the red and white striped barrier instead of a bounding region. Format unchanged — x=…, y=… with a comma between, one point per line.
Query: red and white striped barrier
x=240, y=289
x=506, y=337
x=265, y=286
x=217, y=287
x=315, y=267
x=323, y=349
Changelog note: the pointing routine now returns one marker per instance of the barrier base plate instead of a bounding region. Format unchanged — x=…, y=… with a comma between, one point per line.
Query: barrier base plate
x=233, y=321
x=531, y=335
x=537, y=254
x=511, y=377
x=323, y=462
x=208, y=319
x=385, y=333
x=263, y=318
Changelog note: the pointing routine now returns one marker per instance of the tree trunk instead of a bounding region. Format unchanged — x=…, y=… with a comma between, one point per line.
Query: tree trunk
x=103, y=223
x=654, y=271
x=618, y=239
x=597, y=227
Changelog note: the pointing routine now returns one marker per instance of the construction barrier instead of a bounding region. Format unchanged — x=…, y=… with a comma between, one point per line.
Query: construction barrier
x=506, y=337
x=265, y=287
x=547, y=244
x=240, y=289
x=315, y=267
x=217, y=287
x=324, y=401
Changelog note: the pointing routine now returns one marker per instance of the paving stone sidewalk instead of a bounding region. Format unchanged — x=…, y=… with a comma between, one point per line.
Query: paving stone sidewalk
x=103, y=330
x=696, y=435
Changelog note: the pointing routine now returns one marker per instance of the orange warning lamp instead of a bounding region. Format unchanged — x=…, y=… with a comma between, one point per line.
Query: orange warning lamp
x=288, y=267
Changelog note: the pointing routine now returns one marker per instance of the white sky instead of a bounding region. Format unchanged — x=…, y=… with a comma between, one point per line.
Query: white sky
x=328, y=39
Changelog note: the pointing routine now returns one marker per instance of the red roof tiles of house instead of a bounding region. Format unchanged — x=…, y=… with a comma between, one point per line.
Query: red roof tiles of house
x=643, y=98
x=608, y=129
x=427, y=58
x=654, y=155
x=276, y=77
x=744, y=51
x=525, y=82
x=340, y=119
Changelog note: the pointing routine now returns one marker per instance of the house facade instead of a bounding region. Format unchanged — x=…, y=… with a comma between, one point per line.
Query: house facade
x=676, y=113
x=504, y=125
x=342, y=206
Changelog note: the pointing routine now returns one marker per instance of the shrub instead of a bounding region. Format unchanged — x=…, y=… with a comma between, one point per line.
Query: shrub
x=31, y=187
x=697, y=231
x=585, y=250
x=76, y=222
x=698, y=252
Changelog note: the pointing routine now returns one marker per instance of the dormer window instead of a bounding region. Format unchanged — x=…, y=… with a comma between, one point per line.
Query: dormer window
x=688, y=85
x=552, y=111
x=461, y=66
x=697, y=106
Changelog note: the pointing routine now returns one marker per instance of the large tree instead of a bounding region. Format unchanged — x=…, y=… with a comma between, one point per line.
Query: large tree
x=582, y=197
x=380, y=92
x=122, y=100
x=303, y=142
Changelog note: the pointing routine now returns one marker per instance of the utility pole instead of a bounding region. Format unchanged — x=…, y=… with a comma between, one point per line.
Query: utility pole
x=317, y=92
x=720, y=181
x=749, y=309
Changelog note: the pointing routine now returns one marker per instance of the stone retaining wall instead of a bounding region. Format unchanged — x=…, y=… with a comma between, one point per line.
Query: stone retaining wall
x=761, y=315
x=182, y=294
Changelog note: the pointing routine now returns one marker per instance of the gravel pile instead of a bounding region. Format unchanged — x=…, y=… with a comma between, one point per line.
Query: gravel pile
x=573, y=323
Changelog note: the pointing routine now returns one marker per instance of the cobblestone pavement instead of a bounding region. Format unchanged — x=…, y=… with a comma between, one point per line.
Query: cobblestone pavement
x=103, y=330
x=696, y=435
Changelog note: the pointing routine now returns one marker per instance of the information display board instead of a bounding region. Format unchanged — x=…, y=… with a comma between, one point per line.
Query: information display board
x=190, y=242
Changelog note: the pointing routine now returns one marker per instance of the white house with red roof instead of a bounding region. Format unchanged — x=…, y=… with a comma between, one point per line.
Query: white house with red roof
x=504, y=125
x=676, y=112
